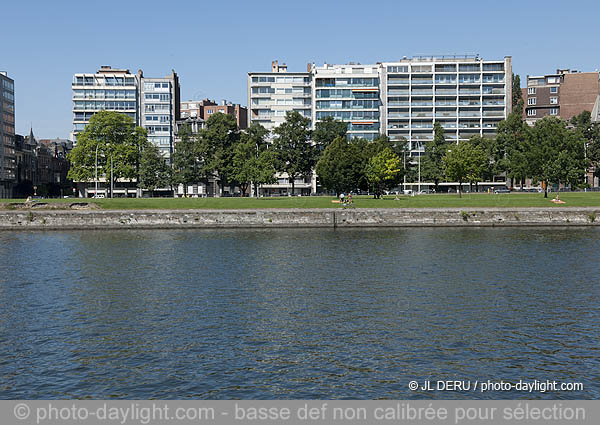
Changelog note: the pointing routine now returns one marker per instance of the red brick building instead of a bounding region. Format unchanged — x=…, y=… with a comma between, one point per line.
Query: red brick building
x=205, y=108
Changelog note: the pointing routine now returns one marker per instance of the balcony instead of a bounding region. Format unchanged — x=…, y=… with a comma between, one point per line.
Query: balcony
x=445, y=92
x=399, y=115
x=469, y=91
x=398, y=103
x=490, y=90
x=445, y=114
x=422, y=82
x=469, y=114
x=395, y=92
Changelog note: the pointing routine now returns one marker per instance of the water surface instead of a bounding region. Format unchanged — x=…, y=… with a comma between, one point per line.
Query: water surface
x=286, y=314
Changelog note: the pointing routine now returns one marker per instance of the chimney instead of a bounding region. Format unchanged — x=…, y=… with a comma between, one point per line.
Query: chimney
x=275, y=66
x=223, y=102
x=308, y=67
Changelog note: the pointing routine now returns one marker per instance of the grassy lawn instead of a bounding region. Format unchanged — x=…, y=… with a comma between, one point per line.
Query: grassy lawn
x=475, y=200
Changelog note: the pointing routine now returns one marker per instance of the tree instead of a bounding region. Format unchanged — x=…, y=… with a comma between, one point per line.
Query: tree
x=187, y=165
x=509, y=151
x=384, y=171
x=253, y=161
x=326, y=131
x=154, y=171
x=341, y=166
x=464, y=162
x=555, y=153
x=215, y=147
x=432, y=161
x=517, y=95
x=590, y=131
x=117, y=141
x=294, y=152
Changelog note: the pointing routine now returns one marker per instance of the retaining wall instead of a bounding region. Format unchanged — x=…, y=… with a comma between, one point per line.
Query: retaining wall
x=332, y=218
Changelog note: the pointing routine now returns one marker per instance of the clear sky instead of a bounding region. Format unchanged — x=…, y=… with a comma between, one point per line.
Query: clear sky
x=212, y=44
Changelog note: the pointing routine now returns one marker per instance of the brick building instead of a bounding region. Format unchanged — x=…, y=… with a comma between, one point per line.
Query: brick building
x=205, y=108
x=564, y=94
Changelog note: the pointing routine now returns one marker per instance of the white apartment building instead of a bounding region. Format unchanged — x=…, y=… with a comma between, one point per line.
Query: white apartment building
x=467, y=96
x=107, y=90
x=152, y=102
x=272, y=94
x=159, y=110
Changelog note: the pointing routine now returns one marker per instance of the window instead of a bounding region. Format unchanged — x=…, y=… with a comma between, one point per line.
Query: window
x=531, y=101
x=552, y=80
x=553, y=111
x=553, y=89
x=531, y=90
x=554, y=100
x=531, y=112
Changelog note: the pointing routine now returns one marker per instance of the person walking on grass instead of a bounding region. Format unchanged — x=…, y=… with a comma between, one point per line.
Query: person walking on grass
x=342, y=198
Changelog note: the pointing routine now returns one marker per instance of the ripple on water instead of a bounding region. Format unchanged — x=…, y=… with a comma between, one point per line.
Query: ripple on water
x=296, y=313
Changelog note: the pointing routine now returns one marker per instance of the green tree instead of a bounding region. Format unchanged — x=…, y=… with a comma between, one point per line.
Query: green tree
x=555, y=153
x=294, y=153
x=509, y=153
x=517, y=95
x=154, y=171
x=590, y=131
x=326, y=131
x=188, y=166
x=464, y=162
x=384, y=171
x=118, y=143
x=216, y=147
x=432, y=161
x=341, y=166
x=253, y=161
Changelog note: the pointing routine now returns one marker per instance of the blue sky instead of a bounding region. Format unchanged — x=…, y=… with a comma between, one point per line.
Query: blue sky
x=213, y=44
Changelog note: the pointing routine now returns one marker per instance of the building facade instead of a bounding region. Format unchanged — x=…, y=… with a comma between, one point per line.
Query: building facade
x=159, y=109
x=564, y=94
x=153, y=103
x=467, y=95
x=205, y=108
x=7, y=135
x=272, y=94
x=348, y=93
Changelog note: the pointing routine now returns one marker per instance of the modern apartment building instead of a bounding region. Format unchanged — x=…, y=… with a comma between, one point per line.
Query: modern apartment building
x=564, y=94
x=159, y=109
x=272, y=94
x=7, y=135
x=107, y=90
x=205, y=108
x=349, y=93
x=152, y=102
x=466, y=95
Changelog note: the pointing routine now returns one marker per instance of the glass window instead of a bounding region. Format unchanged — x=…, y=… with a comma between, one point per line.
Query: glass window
x=531, y=90
x=553, y=89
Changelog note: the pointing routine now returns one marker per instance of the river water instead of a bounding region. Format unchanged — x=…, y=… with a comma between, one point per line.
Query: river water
x=297, y=314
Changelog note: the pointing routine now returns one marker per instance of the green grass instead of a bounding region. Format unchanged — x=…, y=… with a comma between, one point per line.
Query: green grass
x=475, y=200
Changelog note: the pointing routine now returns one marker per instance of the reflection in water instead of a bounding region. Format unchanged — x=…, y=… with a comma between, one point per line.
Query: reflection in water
x=296, y=313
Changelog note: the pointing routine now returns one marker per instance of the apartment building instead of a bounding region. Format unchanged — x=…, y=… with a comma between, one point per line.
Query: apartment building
x=159, y=109
x=565, y=94
x=272, y=94
x=7, y=135
x=153, y=103
x=349, y=93
x=205, y=108
x=467, y=95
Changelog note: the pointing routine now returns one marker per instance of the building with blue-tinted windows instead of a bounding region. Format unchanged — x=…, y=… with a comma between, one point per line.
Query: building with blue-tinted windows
x=348, y=93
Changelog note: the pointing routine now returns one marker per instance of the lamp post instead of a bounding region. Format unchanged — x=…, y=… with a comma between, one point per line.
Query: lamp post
x=419, y=151
x=96, y=171
x=111, y=175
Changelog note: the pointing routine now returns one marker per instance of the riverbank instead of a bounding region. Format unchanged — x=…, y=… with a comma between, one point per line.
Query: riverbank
x=299, y=218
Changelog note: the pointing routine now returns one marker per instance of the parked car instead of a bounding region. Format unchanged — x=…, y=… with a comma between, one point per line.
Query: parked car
x=502, y=190
x=98, y=196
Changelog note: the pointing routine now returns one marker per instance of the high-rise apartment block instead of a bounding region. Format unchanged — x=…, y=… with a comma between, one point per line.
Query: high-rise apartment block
x=564, y=94
x=205, y=108
x=152, y=102
x=159, y=109
x=402, y=100
x=272, y=94
x=7, y=135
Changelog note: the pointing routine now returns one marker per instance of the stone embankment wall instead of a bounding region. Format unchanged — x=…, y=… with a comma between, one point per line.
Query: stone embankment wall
x=331, y=218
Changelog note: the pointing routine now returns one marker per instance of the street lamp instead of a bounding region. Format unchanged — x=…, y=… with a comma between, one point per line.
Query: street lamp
x=96, y=178
x=419, y=161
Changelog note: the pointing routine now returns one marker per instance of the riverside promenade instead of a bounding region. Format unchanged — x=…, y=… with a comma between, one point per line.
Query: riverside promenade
x=296, y=218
